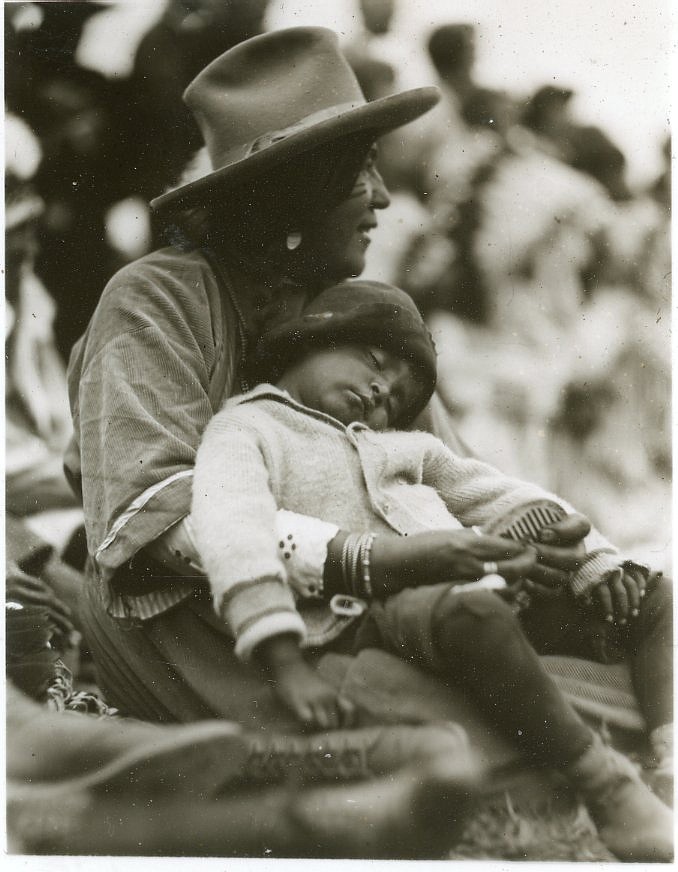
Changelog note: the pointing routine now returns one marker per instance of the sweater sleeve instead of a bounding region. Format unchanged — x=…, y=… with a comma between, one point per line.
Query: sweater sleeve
x=477, y=493
x=234, y=521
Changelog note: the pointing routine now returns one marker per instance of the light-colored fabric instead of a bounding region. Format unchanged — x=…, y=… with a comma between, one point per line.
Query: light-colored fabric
x=303, y=543
x=282, y=454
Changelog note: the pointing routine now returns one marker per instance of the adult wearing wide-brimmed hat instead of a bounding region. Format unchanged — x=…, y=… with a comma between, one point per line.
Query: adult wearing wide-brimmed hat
x=283, y=208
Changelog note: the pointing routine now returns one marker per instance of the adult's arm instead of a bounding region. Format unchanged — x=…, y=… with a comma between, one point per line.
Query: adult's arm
x=142, y=384
x=477, y=493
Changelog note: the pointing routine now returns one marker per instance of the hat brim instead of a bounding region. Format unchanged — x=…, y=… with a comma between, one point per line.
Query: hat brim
x=376, y=117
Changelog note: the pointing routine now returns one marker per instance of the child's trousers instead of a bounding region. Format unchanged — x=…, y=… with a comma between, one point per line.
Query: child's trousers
x=474, y=641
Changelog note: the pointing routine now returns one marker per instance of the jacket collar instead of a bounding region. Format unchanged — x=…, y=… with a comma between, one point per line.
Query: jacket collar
x=271, y=392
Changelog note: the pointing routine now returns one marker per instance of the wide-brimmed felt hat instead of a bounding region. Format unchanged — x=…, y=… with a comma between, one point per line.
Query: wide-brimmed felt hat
x=356, y=311
x=277, y=96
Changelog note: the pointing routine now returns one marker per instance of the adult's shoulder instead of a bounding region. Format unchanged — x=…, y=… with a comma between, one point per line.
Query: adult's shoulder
x=168, y=288
x=165, y=271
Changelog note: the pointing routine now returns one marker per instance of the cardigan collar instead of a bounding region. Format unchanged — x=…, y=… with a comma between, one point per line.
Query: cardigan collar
x=271, y=392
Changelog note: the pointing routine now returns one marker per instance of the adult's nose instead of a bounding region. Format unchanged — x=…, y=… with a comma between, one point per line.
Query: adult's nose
x=381, y=198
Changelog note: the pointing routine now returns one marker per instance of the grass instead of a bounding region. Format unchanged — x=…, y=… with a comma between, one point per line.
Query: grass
x=558, y=831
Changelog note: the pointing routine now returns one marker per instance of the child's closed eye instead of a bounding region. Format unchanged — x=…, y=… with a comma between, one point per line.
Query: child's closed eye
x=375, y=360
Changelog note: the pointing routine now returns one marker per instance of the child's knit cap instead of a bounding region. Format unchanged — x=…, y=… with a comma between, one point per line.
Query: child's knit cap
x=354, y=312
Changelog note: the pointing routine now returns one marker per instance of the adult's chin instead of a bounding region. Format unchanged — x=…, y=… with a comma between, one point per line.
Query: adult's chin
x=350, y=268
x=322, y=272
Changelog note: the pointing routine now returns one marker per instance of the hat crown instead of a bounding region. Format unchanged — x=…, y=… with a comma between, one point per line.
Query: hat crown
x=268, y=84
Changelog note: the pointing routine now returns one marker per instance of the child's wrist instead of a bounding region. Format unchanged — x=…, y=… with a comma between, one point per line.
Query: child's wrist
x=278, y=653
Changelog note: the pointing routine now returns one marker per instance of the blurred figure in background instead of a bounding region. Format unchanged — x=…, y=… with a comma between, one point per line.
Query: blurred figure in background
x=428, y=169
x=373, y=40
x=619, y=393
x=546, y=279
x=441, y=268
x=75, y=114
x=37, y=423
x=585, y=147
x=452, y=51
x=547, y=116
x=189, y=35
x=592, y=151
x=372, y=55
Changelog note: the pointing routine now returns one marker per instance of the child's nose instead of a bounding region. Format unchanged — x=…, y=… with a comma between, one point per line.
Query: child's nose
x=379, y=391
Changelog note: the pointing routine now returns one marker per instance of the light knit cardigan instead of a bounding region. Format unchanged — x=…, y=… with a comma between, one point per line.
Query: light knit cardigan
x=264, y=451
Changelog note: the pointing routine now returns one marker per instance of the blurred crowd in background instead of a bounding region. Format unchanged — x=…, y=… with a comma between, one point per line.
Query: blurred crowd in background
x=544, y=276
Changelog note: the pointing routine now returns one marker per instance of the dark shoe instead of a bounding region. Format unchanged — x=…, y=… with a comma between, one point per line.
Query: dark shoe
x=352, y=754
x=415, y=813
x=119, y=754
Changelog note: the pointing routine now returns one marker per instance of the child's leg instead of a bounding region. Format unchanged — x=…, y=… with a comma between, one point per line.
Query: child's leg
x=651, y=653
x=474, y=639
x=561, y=626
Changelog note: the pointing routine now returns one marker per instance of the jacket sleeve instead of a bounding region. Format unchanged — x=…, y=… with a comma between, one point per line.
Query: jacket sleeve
x=477, y=493
x=140, y=385
x=234, y=517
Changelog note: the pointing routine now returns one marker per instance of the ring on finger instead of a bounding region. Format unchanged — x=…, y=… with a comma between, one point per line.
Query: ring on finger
x=490, y=568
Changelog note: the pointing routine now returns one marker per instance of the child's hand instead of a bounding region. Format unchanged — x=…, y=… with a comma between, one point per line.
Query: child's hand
x=317, y=704
x=618, y=596
x=298, y=685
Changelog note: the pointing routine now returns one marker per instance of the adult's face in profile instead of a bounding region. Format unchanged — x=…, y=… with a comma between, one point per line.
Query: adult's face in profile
x=339, y=238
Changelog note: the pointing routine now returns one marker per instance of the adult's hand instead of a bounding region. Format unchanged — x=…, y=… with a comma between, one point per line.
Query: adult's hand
x=560, y=551
x=29, y=590
x=618, y=596
x=445, y=555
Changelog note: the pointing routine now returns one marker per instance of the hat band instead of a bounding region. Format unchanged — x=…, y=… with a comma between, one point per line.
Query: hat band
x=270, y=138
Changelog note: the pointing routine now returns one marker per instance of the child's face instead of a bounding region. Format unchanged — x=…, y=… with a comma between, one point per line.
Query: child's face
x=354, y=383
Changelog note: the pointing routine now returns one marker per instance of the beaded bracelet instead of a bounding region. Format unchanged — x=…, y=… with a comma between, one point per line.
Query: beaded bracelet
x=344, y=560
x=365, y=553
x=349, y=562
x=355, y=564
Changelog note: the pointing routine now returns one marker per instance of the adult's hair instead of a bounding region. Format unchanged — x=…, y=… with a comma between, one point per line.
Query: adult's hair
x=253, y=219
